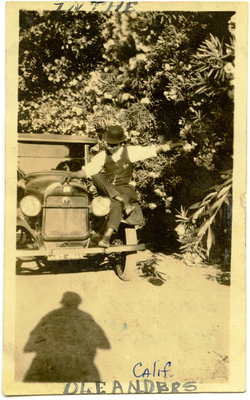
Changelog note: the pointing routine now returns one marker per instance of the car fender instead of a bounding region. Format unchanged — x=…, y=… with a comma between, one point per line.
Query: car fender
x=21, y=222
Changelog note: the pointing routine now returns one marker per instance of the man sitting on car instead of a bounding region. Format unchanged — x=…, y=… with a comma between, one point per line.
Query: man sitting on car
x=117, y=164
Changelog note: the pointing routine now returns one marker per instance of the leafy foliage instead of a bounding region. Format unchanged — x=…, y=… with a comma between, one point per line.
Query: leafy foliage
x=213, y=78
x=56, y=47
x=195, y=231
x=148, y=270
x=164, y=76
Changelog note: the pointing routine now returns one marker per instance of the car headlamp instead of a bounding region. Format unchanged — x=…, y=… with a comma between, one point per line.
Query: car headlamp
x=30, y=206
x=100, y=206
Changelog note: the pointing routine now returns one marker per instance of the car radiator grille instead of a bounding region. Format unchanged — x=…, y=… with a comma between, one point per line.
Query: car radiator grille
x=65, y=218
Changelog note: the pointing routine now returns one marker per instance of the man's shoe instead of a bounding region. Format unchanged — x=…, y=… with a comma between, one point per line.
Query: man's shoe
x=128, y=208
x=104, y=242
x=96, y=237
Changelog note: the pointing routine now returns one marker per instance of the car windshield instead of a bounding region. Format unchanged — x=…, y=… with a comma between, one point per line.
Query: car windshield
x=39, y=157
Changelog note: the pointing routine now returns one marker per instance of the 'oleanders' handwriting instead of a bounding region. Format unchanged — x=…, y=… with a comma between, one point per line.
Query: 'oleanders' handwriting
x=145, y=386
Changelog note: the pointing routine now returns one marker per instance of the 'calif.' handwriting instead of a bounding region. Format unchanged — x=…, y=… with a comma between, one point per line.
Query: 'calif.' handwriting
x=139, y=371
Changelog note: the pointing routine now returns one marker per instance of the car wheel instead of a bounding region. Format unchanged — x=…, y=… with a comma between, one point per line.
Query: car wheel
x=125, y=263
x=18, y=266
x=24, y=241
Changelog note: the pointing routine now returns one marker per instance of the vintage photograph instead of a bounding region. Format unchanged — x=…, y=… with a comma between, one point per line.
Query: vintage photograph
x=125, y=198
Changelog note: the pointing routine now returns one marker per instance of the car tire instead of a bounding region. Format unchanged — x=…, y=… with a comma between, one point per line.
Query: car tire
x=125, y=266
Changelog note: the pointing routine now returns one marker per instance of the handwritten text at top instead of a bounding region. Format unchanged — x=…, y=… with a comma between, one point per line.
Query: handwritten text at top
x=99, y=6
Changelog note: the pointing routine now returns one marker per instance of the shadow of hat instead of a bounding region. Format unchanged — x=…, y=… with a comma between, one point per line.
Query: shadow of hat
x=71, y=299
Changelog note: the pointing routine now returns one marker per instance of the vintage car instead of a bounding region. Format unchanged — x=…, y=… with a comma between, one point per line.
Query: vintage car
x=57, y=222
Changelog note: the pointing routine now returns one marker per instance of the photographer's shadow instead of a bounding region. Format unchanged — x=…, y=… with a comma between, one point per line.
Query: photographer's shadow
x=65, y=342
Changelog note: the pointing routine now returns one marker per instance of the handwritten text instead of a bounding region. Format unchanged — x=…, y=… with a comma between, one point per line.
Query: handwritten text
x=140, y=372
x=105, y=6
x=145, y=386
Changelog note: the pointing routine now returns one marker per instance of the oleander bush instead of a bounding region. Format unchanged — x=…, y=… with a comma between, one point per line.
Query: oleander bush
x=164, y=76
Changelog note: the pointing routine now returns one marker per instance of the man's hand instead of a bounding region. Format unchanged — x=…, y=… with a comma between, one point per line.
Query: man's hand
x=167, y=147
x=173, y=145
x=68, y=177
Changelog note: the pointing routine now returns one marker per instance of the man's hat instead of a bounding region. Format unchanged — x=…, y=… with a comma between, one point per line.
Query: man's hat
x=114, y=135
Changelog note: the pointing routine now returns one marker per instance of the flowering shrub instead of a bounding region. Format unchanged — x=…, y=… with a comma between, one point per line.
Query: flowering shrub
x=195, y=231
x=213, y=77
x=163, y=76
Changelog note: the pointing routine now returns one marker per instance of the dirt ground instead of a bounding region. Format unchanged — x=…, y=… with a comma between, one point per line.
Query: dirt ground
x=184, y=324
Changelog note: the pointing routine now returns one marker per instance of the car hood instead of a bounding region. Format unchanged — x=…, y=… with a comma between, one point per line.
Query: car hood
x=36, y=183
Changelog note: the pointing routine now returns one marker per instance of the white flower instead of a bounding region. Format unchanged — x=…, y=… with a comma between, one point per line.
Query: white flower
x=180, y=229
x=134, y=141
x=125, y=96
x=141, y=57
x=188, y=147
x=172, y=94
x=73, y=83
x=109, y=43
x=77, y=110
x=95, y=75
x=145, y=100
x=167, y=67
x=229, y=68
x=158, y=191
x=132, y=63
x=152, y=206
x=108, y=96
x=135, y=133
x=99, y=92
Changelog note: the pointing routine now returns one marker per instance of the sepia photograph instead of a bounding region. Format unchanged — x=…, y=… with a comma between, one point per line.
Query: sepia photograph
x=125, y=200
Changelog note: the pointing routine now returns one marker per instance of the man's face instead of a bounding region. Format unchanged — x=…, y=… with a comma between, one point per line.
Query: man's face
x=112, y=148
